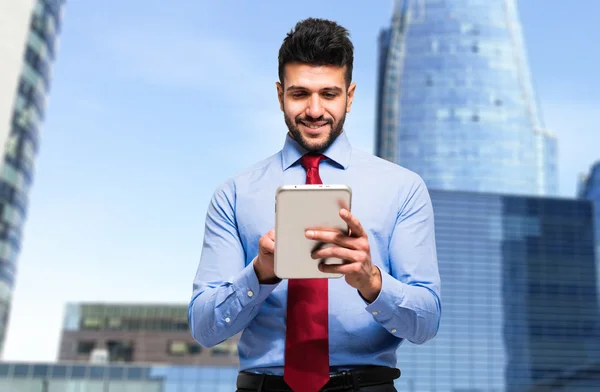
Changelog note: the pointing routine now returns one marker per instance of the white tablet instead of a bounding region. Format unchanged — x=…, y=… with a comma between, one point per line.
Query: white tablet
x=300, y=207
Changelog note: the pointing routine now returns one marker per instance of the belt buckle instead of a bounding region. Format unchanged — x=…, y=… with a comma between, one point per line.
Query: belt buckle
x=347, y=379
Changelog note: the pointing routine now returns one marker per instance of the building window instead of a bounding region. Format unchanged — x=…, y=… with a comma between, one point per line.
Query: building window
x=92, y=323
x=114, y=323
x=11, y=145
x=224, y=349
x=12, y=216
x=9, y=173
x=177, y=347
x=194, y=349
x=181, y=325
x=21, y=370
x=59, y=371
x=85, y=347
x=40, y=371
x=219, y=351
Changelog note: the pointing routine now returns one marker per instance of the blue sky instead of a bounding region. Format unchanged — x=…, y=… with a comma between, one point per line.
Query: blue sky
x=152, y=107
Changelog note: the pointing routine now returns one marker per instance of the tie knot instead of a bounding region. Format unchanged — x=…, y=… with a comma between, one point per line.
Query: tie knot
x=311, y=160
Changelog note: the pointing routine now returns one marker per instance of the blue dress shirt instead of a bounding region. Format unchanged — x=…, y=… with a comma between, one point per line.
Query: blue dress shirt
x=392, y=204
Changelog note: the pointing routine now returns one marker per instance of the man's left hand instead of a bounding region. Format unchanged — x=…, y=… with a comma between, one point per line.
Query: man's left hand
x=354, y=249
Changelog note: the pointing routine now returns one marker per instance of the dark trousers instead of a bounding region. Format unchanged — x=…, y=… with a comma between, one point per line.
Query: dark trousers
x=369, y=379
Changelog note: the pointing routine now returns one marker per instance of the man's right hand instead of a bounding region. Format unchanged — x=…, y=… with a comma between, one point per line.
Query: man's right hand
x=264, y=264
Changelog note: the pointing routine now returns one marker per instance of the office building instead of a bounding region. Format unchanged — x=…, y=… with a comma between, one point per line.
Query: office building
x=67, y=377
x=584, y=379
x=519, y=304
x=589, y=188
x=137, y=333
x=28, y=40
x=455, y=99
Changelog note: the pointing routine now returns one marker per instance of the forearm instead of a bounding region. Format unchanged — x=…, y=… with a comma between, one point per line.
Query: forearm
x=219, y=311
x=407, y=311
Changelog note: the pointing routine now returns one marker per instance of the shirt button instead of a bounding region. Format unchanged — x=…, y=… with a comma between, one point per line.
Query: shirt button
x=227, y=320
x=393, y=330
x=250, y=293
x=375, y=313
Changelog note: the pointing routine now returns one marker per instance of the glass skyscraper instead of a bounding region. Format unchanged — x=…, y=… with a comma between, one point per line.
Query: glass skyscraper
x=589, y=188
x=455, y=99
x=28, y=35
x=519, y=296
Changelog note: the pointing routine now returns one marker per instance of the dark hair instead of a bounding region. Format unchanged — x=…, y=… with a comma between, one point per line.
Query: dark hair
x=317, y=42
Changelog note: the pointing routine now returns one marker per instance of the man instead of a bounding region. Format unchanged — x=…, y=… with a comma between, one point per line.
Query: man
x=391, y=285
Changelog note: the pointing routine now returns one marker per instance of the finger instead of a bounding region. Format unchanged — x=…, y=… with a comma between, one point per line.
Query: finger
x=343, y=205
x=269, y=248
x=266, y=244
x=354, y=225
x=332, y=237
x=271, y=234
x=337, y=252
x=344, y=269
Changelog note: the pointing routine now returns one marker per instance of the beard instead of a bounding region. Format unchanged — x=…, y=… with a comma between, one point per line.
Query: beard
x=293, y=126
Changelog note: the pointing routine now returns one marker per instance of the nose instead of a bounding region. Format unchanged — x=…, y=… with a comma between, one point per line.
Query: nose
x=314, y=108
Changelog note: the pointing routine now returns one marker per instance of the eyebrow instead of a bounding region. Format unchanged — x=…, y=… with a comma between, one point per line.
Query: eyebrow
x=334, y=88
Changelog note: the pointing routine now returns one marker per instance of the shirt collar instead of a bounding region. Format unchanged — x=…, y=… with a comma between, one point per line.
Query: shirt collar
x=338, y=151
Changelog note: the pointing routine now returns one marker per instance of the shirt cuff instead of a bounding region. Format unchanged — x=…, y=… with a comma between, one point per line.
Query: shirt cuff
x=248, y=289
x=388, y=300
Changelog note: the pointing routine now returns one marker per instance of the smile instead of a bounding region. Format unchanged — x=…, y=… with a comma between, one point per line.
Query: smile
x=314, y=125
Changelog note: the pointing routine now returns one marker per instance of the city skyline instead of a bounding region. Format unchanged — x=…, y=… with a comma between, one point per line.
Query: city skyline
x=139, y=119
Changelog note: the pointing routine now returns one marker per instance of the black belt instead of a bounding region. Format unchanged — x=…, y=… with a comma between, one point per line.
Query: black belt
x=356, y=378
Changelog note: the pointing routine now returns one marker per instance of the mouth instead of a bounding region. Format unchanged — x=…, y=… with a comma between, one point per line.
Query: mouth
x=315, y=127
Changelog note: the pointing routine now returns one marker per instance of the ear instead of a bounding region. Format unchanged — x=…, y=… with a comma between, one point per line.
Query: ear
x=351, y=90
x=280, y=95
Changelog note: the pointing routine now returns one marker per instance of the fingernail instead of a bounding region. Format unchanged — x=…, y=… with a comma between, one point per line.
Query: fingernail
x=344, y=213
x=310, y=234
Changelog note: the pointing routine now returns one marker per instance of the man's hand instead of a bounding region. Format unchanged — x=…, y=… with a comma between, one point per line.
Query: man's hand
x=354, y=249
x=264, y=263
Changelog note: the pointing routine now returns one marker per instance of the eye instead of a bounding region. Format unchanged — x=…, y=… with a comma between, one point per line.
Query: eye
x=298, y=94
x=330, y=95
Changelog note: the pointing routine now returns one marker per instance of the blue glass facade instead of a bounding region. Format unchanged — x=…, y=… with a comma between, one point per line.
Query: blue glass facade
x=519, y=295
x=589, y=189
x=455, y=100
x=67, y=377
x=17, y=167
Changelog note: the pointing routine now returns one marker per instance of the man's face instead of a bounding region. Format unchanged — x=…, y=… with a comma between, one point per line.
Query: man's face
x=314, y=101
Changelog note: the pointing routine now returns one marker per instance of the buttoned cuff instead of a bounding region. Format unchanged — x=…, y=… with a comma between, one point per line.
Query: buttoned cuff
x=384, y=308
x=248, y=289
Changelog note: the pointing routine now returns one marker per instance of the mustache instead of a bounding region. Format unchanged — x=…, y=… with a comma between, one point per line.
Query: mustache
x=309, y=119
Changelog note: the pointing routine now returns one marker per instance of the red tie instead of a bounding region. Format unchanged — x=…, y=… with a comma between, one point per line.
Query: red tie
x=306, y=366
